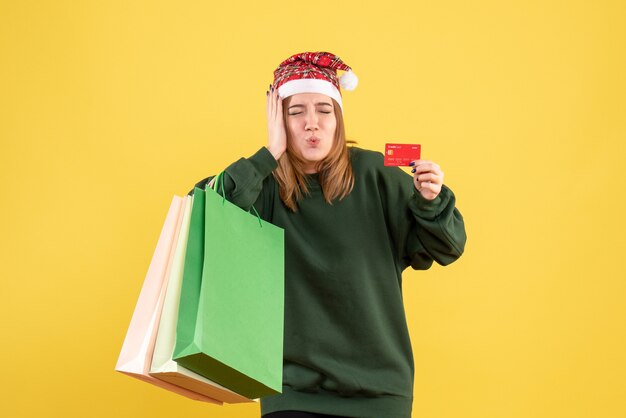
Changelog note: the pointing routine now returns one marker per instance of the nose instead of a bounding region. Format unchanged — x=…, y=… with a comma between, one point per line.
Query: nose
x=311, y=122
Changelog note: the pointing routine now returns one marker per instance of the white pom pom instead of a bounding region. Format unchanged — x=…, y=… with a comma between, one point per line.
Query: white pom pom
x=348, y=81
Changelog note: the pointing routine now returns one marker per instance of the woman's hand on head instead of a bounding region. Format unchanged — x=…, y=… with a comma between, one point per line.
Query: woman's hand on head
x=427, y=178
x=277, y=136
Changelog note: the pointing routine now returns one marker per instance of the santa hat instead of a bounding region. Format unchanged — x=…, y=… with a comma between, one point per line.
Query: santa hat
x=313, y=72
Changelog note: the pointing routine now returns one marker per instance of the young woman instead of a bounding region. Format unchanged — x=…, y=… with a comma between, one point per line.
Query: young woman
x=351, y=226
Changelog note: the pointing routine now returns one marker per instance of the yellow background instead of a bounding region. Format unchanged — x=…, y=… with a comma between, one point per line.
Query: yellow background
x=108, y=108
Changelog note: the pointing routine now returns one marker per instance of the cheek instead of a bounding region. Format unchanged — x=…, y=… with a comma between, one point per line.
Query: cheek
x=331, y=124
x=331, y=127
x=292, y=127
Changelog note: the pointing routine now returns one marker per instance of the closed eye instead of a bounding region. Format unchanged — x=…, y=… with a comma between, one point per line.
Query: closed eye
x=299, y=113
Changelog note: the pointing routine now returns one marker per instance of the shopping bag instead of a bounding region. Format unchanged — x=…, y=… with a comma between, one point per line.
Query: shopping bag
x=163, y=366
x=230, y=321
x=136, y=354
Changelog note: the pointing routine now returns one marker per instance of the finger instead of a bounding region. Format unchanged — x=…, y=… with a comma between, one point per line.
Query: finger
x=273, y=96
x=432, y=187
x=430, y=177
x=272, y=102
x=418, y=162
x=426, y=166
x=279, y=105
x=416, y=182
x=434, y=174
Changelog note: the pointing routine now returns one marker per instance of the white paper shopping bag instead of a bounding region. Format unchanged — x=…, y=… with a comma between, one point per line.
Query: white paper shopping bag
x=136, y=354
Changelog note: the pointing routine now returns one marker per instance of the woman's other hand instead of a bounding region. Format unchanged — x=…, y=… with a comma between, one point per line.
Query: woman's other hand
x=427, y=178
x=277, y=136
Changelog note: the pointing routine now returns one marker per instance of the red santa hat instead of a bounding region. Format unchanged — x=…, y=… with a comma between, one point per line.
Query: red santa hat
x=313, y=72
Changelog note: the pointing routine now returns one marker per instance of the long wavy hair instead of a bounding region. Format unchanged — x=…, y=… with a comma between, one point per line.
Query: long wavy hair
x=335, y=171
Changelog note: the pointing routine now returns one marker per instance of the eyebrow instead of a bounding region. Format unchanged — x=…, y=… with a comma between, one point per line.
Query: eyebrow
x=316, y=104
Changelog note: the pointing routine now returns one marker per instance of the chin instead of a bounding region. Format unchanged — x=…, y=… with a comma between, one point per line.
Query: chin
x=314, y=157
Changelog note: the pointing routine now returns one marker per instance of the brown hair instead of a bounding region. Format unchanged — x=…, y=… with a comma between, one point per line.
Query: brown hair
x=335, y=171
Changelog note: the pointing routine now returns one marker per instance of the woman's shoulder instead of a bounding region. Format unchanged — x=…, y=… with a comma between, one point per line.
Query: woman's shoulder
x=366, y=163
x=362, y=157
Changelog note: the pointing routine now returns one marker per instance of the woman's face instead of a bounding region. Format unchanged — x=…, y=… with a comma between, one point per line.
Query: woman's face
x=311, y=125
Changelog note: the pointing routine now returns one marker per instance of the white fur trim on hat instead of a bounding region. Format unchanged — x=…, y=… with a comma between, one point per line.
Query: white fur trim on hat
x=310, y=85
x=348, y=81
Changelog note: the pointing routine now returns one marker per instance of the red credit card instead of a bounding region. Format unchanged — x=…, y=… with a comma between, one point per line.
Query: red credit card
x=401, y=154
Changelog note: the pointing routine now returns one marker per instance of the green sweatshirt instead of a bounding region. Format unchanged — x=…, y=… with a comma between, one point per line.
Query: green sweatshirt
x=346, y=349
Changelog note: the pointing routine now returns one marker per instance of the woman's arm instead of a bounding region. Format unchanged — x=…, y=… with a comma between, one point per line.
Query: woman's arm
x=422, y=217
x=243, y=180
x=437, y=232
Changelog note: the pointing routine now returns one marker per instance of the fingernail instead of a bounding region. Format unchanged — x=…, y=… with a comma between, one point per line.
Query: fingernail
x=412, y=163
x=267, y=93
x=413, y=171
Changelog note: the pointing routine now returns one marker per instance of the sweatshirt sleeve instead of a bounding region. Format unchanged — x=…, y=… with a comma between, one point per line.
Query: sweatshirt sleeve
x=437, y=231
x=244, y=179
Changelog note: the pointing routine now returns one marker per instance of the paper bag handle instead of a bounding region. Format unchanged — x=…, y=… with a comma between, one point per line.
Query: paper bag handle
x=214, y=185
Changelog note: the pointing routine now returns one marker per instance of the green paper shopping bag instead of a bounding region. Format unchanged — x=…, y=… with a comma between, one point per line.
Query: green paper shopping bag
x=230, y=320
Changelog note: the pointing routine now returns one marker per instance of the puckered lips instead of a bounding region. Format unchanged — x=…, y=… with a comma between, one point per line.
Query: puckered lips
x=312, y=141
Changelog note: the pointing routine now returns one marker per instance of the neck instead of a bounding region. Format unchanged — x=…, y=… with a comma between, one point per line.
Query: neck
x=309, y=169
